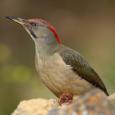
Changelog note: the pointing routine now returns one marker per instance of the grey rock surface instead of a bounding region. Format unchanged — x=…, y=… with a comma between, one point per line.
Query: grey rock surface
x=92, y=103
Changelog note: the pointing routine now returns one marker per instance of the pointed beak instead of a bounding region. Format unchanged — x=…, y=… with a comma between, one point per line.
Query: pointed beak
x=16, y=19
x=24, y=22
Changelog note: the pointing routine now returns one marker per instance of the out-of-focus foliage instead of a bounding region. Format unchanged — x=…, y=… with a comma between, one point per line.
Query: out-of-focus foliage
x=5, y=53
x=87, y=26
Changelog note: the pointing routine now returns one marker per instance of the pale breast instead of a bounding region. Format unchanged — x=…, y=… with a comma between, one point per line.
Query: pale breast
x=59, y=77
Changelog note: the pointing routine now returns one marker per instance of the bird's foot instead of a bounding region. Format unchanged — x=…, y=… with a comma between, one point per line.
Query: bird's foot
x=65, y=98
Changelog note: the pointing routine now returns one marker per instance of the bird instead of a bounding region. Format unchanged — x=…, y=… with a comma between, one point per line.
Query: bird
x=62, y=69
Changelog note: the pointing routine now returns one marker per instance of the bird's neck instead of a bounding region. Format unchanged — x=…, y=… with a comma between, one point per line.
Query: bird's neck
x=44, y=50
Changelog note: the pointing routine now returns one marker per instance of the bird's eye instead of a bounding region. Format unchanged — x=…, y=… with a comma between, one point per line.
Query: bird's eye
x=33, y=24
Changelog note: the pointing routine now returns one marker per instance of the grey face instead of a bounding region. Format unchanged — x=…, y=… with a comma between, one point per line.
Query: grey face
x=44, y=39
x=41, y=34
x=35, y=30
x=39, y=31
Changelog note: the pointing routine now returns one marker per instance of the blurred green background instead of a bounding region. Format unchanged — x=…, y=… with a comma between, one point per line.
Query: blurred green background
x=85, y=25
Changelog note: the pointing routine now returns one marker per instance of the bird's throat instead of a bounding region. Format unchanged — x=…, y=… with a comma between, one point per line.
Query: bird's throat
x=45, y=50
x=42, y=52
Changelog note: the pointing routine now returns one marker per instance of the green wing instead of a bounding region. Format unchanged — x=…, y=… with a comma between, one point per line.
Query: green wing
x=81, y=67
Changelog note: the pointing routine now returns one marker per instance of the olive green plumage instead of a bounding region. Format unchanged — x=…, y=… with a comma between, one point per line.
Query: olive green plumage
x=81, y=67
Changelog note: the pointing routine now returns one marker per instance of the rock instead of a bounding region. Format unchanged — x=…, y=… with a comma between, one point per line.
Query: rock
x=35, y=107
x=92, y=103
x=112, y=99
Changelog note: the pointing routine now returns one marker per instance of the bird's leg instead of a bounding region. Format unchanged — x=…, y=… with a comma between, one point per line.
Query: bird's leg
x=66, y=98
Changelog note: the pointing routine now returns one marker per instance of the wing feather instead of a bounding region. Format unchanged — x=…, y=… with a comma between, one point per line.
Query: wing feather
x=81, y=67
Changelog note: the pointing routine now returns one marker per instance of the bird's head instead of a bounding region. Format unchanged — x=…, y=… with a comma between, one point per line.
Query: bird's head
x=42, y=32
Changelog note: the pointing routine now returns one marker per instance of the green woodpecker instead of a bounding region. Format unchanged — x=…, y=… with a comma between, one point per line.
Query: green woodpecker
x=63, y=70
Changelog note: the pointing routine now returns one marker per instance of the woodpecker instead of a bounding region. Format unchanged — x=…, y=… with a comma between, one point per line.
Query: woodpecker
x=63, y=70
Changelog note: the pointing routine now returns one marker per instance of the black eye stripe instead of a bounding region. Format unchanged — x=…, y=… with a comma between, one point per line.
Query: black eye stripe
x=32, y=33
